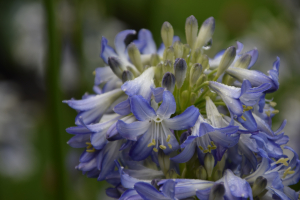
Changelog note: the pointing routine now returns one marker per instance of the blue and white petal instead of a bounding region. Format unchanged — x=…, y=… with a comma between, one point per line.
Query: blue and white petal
x=185, y=120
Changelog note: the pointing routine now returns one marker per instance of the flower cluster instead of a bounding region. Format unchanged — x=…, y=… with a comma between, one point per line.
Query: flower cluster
x=172, y=123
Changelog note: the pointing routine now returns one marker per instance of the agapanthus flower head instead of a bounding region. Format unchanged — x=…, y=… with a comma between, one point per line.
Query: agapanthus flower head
x=178, y=124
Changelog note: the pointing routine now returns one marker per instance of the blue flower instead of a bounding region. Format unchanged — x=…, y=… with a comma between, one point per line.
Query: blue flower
x=235, y=97
x=206, y=138
x=279, y=175
x=258, y=78
x=153, y=127
x=214, y=63
x=92, y=108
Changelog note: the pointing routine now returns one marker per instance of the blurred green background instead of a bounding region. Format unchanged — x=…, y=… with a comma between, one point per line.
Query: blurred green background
x=50, y=48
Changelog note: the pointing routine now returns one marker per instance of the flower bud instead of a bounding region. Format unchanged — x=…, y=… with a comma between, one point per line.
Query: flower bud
x=154, y=60
x=217, y=174
x=209, y=162
x=127, y=76
x=196, y=57
x=164, y=161
x=168, y=81
x=178, y=49
x=201, y=173
x=135, y=56
x=169, y=53
x=205, y=33
x=186, y=51
x=217, y=191
x=116, y=66
x=193, y=97
x=191, y=29
x=195, y=73
x=168, y=66
x=259, y=185
x=205, y=62
x=226, y=60
x=243, y=61
x=167, y=34
x=201, y=80
x=180, y=68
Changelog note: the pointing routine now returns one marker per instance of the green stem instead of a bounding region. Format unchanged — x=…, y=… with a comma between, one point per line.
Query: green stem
x=212, y=73
x=54, y=100
x=205, y=84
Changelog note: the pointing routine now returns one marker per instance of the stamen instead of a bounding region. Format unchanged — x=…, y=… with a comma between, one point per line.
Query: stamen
x=91, y=150
x=168, y=138
x=155, y=149
x=201, y=148
x=275, y=111
x=247, y=108
x=287, y=171
x=273, y=104
x=94, y=73
x=150, y=144
x=170, y=146
x=162, y=147
x=89, y=145
x=283, y=161
x=268, y=113
x=244, y=118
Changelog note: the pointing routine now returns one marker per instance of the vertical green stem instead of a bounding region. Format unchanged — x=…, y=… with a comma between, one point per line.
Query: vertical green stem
x=54, y=99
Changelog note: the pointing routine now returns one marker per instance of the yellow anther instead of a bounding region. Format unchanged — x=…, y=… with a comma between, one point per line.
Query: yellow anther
x=168, y=138
x=275, y=111
x=91, y=150
x=150, y=144
x=268, y=113
x=283, y=161
x=153, y=141
x=273, y=104
x=94, y=73
x=247, y=108
x=201, y=148
x=88, y=143
x=162, y=147
x=244, y=118
x=205, y=151
x=213, y=146
x=155, y=149
x=170, y=146
x=287, y=171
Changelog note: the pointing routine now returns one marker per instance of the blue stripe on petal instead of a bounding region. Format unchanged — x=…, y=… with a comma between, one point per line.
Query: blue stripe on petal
x=148, y=192
x=140, y=150
x=78, y=130
x=130, y=194
x=185, y=120
x=145, y=42
x=123, y=108
x=106, y=50
x=158, y=94
x=120, y=42
x=186, y=154
x=168, y=106
x=169, y=189
x=103, y=74
x=254, y=55
x=141, y=108
x=79, y=141
x=133, y=130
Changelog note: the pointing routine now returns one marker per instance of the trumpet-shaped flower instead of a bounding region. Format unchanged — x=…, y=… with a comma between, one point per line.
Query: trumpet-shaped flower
x=154, y=127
